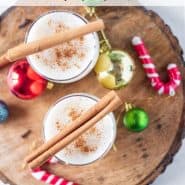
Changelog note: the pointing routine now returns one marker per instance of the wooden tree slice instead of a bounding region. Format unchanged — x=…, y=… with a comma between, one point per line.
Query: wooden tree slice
x=140, y=157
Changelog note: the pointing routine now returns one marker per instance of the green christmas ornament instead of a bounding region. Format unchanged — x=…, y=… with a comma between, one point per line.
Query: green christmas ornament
x=136, y=120
x=92, y=2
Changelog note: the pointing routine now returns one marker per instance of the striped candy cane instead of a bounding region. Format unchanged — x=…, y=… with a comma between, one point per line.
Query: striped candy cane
x=173, y=72
x=48, y=178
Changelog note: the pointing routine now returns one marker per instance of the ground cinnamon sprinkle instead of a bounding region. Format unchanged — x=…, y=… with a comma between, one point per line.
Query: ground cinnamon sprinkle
x=92, y=131
x=37, y=56
x=66, y=51
x=57, y=26
x=81, y=39
x=60, y=27
x=74, y=114
x=58, y=53
x=58, y=125
x=80, y=143
x=81, y=55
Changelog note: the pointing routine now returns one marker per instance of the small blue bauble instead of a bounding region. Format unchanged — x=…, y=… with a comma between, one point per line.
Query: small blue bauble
x=4, y=112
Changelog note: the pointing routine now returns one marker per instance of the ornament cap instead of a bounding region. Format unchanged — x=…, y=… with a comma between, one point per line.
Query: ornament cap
x=50, y=85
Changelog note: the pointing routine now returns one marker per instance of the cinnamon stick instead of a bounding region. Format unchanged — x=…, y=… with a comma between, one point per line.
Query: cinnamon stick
x=114, y=104
x=25, y=49
x=74, y=125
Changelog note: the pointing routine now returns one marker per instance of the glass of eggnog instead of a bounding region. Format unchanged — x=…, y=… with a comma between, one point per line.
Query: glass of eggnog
x=67, y=62
x=91, y=145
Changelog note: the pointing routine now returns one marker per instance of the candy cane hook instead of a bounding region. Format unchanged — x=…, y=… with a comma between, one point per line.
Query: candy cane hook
x=48, y=178
x=150, y=70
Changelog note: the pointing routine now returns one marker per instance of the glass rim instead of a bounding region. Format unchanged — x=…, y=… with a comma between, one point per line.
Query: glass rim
x=96, y=99
x=90, y=65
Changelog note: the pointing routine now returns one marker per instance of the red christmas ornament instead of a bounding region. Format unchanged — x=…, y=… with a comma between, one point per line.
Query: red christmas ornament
x=24, y=82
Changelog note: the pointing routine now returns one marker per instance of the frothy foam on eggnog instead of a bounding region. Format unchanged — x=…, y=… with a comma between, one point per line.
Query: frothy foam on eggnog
x=67, y=60
x=89, y=146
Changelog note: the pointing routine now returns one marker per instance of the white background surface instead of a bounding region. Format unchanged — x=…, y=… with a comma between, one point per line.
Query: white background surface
x=175, y=17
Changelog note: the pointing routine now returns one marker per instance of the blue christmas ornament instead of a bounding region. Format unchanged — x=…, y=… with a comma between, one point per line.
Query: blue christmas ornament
x=4, y=112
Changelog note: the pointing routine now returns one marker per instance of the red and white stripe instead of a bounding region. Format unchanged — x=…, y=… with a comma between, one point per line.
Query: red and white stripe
x=48, y=178
x=150, y=70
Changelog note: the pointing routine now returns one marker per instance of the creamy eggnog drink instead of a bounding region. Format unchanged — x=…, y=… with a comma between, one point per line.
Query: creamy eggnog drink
x=90, y=146
x=69, y=61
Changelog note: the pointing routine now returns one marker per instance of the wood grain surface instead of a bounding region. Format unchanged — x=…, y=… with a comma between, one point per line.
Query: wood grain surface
x=140, y=157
